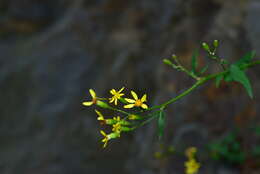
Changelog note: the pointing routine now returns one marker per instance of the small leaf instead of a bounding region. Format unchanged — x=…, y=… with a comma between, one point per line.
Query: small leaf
x=218, y=80
x=161, y=124
x=204, y=69
x=238, y=75
x=247, y=58
x=194, y=61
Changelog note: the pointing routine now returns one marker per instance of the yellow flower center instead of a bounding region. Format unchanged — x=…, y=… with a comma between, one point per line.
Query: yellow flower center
x=117, y=95
x=138, y=103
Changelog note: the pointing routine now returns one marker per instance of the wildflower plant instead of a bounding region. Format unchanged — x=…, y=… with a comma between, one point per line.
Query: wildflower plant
x=134, y=112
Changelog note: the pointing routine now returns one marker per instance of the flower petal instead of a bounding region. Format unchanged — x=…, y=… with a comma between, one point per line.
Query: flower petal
x=92, y=93
x=113, y=91
x=105, y=144
x=103, y=133
x=111, y=99
x=143, y=99
x=87, y=103
x=115, y=101
x=134, y=95
x=121, y=89
x=129, y=100
x=129, y=106
x=144, y=106
x=100, y=116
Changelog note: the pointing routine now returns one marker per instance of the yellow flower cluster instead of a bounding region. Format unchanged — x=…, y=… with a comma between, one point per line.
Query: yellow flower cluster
x=192, y=166
x=118, y=124
x=117, y=95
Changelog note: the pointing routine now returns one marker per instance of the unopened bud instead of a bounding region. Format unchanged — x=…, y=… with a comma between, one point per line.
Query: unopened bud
x=215, y=43
x=174, y=57
x=134, y=117
x=110, y=121
x=126, y=129
x=113, y=135
x=167, y=62
x=103, y=104
x=205, y=46
x=126, y=123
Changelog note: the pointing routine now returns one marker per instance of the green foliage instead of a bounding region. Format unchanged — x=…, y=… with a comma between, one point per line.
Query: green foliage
x=194, y=61
x=227, y=149
x=161, y=124
x=218, y=80
x=239, y=75
x=247, y=58
x=236, y=74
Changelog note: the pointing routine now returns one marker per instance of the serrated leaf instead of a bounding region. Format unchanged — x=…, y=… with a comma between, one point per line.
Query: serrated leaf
x=194, y=61
x=218, y=80
x=161, y=124
x=238, y=75
x=247, y=58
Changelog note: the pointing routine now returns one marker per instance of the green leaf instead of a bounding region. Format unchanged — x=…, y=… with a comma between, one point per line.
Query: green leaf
x=204, y=69
x=247, y=58
x=194, y=61
x=161, y=124
x=238, y=75
x=218, y=80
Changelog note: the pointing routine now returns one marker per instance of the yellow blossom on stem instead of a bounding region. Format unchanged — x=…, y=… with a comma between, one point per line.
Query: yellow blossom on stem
x=192, y=166
x=100, y=117
x=117, y=128
x=136, y=102
x=107, y=137
x=116, y=95
x=190, y=152
x=94, y=98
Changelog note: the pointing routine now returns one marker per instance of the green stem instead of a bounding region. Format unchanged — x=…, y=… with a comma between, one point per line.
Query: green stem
x=119, y=110
x=197, y=84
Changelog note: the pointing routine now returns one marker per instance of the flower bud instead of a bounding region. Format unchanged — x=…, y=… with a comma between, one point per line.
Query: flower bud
x=103, y=104
x=110, y=121
x=215, y=43
x=126, y=129
x=123, y=122
x=174, y=57
x=205, y=46
x=167, y=62
x=113, y=135
x=134, y=117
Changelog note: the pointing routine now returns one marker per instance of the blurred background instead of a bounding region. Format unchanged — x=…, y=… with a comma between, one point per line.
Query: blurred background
x=52, y=52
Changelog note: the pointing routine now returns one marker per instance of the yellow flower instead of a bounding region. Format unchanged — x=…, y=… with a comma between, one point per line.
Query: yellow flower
x=94, y=98
x=116, y=95
x=192, y=166
x=100, y=117
x=117, y=119
x=117, y=128
x=190, y=152
x=117, y=125
x=107, y=137
x=136, y=101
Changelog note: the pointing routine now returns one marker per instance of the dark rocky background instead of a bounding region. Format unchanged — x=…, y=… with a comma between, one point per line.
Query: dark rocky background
x=52, y=52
